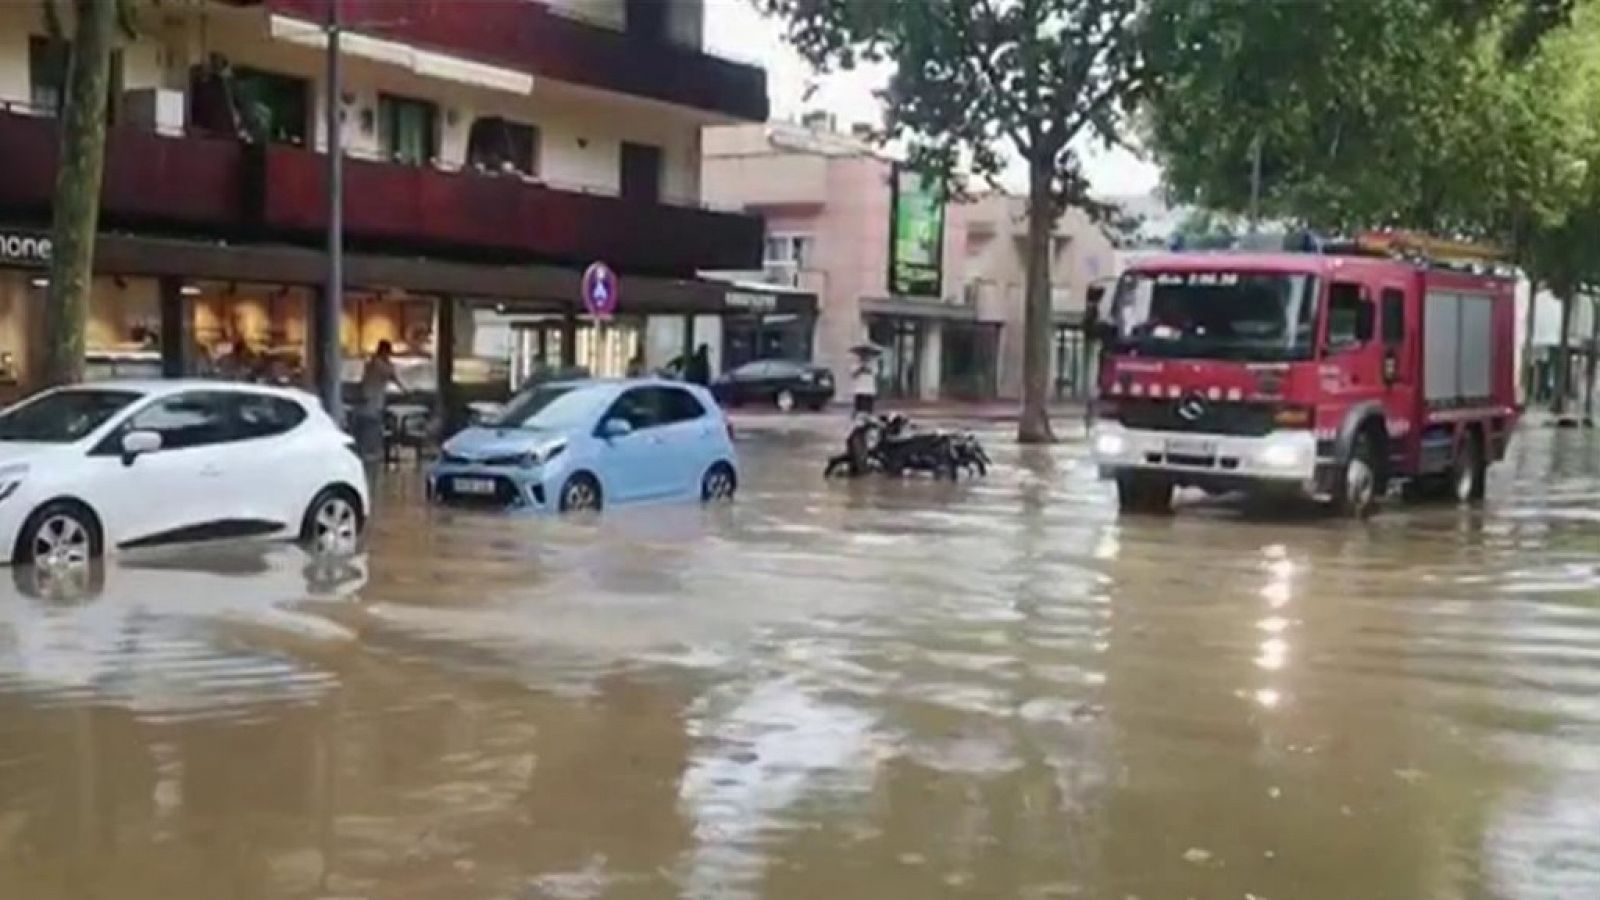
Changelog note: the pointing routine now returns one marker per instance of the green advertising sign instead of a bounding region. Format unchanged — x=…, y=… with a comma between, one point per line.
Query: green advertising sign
x=916, y=236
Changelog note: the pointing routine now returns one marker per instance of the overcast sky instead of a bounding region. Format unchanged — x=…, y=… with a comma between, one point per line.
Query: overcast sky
x=734, y=28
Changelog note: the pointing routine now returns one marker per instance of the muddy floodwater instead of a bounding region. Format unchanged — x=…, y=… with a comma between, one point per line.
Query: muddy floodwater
x=995, y=689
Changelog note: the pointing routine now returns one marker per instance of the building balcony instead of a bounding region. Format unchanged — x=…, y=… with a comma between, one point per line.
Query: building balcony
x=222, y=189
x=420, y=207
x=534, y=38
x=150, y=179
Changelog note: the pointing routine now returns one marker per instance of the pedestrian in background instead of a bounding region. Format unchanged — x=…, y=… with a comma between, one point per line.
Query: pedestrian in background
x=864, y=384
x=376, y=377
x=698, y=369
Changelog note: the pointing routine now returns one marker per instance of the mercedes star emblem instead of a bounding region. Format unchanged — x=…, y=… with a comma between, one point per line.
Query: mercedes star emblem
x=1191, y=408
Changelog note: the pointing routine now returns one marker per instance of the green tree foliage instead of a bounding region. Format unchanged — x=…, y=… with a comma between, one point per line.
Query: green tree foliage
x=976, y=82
x=1473, y=118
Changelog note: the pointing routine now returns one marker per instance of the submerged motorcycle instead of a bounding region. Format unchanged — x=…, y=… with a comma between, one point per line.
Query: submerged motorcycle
x=889, y=444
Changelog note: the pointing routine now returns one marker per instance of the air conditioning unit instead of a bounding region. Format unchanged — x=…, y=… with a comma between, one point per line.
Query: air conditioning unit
x=782, y=273
x=155, y=109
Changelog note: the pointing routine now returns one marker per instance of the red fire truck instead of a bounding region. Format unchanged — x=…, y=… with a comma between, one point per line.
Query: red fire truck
x=1332, y=374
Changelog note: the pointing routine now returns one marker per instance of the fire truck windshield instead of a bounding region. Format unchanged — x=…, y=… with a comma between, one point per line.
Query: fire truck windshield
x=1256, y=316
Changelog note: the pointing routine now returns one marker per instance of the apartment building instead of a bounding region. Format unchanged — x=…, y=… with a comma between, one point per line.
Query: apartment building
x=840, y=215
x=494, y=150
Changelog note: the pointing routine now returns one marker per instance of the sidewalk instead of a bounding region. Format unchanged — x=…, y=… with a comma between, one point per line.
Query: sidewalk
x=994, y=413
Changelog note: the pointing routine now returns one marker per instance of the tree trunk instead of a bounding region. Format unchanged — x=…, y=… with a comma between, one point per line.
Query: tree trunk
x=1590, y=360
x=1563, y=356
x=1529, y=370
x=1034, y=427
x=77, y=196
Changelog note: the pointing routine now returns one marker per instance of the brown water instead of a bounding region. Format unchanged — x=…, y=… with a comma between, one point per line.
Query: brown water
x=837, y=691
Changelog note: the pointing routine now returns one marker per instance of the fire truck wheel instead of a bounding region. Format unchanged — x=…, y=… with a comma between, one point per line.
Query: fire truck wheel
x=1139, y=493
x=1357, y=492
x=1469, y=476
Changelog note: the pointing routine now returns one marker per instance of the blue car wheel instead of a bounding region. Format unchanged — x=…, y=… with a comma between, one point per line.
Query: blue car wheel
x=581, y=493
x=719, y=484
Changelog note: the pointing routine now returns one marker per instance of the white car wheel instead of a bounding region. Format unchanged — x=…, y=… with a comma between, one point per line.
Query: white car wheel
x=59, y=537
x=785, y=400
x=333, y=524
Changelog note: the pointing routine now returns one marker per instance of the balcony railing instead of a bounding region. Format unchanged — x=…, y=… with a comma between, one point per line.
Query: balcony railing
x=220, y=188
x=531, y=37
x=149, y=179
x=421, y=206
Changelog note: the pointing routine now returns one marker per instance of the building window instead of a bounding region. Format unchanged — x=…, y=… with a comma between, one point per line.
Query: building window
x=271, y=107
x=47, y=77
x=407, y=130
x=499, y=145
x=789, y=249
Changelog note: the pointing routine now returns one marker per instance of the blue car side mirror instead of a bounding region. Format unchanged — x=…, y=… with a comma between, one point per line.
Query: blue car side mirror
x=615, y=428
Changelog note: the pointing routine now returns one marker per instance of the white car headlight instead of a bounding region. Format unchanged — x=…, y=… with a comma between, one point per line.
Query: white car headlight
x=11, y=479
x=1109, y=443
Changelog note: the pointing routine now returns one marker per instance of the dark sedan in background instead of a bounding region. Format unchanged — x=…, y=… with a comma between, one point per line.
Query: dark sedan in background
x=776, y=382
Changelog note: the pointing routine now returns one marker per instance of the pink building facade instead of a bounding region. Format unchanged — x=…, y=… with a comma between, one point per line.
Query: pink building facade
x=827, y=201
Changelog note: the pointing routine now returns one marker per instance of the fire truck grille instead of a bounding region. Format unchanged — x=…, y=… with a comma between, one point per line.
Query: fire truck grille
x=1236, y=419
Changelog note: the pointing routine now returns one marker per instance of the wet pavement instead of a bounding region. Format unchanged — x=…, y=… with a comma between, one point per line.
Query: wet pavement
x=992, y=689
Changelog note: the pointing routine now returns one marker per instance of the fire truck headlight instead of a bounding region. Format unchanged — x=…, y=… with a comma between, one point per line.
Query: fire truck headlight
x=1109, y=444
x=1285, y=451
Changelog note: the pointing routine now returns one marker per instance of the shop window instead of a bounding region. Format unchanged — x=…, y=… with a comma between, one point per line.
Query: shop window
x=499, y=145
x=407, y=130
x=47, y=77
x=271, y=107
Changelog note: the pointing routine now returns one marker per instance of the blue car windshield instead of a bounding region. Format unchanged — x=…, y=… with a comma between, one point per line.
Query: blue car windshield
x=549, y=408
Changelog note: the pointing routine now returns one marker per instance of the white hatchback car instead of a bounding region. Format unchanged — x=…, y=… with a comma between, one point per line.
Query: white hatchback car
x=91, y=468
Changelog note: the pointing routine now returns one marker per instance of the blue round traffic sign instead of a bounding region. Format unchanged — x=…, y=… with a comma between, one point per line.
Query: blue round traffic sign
x=599, y=290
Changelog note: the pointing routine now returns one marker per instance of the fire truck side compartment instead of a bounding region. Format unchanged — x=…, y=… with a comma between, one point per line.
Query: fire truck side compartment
x=1458, y=348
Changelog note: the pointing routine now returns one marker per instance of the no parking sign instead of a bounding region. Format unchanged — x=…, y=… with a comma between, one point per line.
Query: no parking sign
x=600, y=290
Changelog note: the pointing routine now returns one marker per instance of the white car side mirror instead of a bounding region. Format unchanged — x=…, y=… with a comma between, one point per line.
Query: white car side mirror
x=137, y=443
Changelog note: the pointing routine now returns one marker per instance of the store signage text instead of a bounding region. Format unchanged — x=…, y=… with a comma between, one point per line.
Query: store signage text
x=23, y=248
x=751, y=301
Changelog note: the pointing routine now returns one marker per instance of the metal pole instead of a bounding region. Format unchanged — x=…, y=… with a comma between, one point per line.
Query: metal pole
x=332, y=299
x=1255, y=183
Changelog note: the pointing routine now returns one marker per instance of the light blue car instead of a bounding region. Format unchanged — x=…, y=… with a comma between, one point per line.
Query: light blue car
x=583, y=445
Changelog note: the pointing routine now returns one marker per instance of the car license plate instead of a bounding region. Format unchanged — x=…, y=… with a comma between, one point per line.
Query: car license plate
x=1191, y=447
x=478, y=486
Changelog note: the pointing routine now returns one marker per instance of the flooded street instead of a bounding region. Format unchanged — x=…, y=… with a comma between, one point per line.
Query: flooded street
x=995, y=689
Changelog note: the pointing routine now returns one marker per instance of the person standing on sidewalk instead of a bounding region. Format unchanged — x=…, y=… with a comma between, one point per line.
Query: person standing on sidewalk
x=864, y=384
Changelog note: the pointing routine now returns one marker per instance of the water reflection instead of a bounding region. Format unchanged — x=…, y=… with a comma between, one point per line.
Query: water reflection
x=991, y=689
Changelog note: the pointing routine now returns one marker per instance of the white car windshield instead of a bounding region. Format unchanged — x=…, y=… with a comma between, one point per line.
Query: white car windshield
x=551, y=407
x=62, y=417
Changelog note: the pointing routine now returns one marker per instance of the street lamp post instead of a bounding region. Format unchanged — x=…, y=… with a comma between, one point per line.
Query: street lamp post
x=332, y=299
